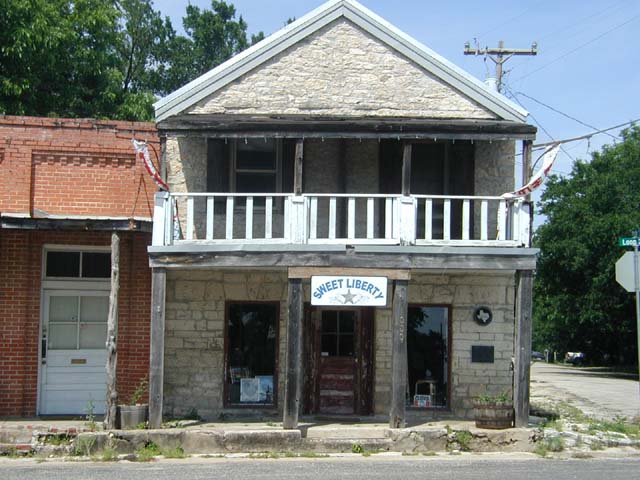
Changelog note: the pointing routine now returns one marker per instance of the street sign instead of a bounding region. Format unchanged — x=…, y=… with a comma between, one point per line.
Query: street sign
x=628, y=242
x=624, y=272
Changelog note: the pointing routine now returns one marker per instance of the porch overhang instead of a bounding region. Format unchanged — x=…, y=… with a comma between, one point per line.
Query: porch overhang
x=75, y=224
x=359, y=256
x=246, y=126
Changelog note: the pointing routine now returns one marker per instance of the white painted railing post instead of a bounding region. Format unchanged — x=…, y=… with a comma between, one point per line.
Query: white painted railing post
x=160, y=212
x=521, y=222
x=297, y=219
x=408, y=215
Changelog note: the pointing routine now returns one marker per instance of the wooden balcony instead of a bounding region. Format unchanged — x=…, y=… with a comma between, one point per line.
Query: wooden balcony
x=351, y=219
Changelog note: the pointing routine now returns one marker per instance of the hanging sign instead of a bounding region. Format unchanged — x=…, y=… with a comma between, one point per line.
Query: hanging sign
x=345, y=291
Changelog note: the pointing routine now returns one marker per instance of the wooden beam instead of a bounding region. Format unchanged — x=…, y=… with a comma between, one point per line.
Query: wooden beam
x=399, y=355
x=293, y=380
x=523, y=328
x=156, y=367
x=391, y=274
x=298, y=167
x=406, y=169
x=519, y=260
x=112, y=336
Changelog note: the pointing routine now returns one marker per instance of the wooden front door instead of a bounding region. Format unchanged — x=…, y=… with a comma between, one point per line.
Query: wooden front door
x=339, y=369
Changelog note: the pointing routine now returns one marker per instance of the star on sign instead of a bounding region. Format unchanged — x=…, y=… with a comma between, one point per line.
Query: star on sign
x=348, y=297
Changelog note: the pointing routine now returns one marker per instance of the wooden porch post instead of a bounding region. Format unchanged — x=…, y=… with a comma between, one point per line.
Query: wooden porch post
x=156, y=367
x=399, y=355
x=524, y=293
x=112, y=335
x=293, y=380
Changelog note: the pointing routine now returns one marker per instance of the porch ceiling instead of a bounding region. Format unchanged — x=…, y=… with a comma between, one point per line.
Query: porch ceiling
x=409, y=257
x=325, y=127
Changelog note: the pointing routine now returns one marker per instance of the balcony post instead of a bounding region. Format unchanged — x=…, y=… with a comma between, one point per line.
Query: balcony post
x=161, y=202
x=408, y=215
x=522, y=373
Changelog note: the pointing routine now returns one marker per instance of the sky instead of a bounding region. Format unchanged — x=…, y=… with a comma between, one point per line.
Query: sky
x=587, y=67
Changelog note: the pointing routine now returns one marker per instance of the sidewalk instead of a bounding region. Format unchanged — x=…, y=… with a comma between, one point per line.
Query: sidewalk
x=63, y=437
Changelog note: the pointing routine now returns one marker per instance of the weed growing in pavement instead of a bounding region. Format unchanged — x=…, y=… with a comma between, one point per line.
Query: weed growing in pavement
x=146, y=452
x=618, y=425
x=84, y=445
x=90, y=416
x=177, y=452
x=357, y=448
x=57, y=440
x=553, y=444
x=109, y=454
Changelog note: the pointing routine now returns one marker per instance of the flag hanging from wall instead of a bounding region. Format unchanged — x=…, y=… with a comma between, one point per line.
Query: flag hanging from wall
x=142, y=153
x=549, y=157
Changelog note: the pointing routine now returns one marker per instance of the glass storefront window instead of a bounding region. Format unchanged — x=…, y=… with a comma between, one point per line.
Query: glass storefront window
x=251, y=346
x=428, y=356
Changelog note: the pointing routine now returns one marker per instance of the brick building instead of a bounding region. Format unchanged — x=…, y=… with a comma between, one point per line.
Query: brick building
x=65, y=186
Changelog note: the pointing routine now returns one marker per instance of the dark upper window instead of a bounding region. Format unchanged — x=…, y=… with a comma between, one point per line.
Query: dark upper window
x=250, y=165
x=337, y=333
x=77, y=264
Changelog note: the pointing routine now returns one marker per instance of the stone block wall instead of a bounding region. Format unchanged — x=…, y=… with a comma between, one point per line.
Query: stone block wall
x=194, y=334
x=194, y=339
x=463, y=292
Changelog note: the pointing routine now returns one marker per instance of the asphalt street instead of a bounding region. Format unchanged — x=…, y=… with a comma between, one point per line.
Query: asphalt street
x=366, y=468
x=597, y=393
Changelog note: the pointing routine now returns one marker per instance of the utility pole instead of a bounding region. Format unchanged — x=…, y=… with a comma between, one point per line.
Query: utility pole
x=500, y=55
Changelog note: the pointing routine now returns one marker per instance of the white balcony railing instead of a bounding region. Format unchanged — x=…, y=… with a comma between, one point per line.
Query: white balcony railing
x=219, y=218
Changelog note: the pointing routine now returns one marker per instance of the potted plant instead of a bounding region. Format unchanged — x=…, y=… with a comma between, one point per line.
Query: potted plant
x=135, y=413
x=493, y=411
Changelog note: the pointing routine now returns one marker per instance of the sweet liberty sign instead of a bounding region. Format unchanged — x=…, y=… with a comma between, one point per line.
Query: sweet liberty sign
x=346, y=291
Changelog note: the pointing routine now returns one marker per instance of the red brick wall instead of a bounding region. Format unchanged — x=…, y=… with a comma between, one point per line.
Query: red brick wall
x=74, y=167
x=20, y=292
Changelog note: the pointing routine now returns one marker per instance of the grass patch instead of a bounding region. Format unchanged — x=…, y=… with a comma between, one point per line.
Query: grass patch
x=618, y=425
x=146, y=452
x=177, y=452
x=109, y=454
x=84, y=445
x=459, y=440
x=357, y=448
x=554, y=444
x=57, y=440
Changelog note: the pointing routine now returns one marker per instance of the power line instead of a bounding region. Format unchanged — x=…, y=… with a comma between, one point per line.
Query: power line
x=579, y=47
x=499, y=56
x=515, y=17
x=562, y=113
x=584, y=137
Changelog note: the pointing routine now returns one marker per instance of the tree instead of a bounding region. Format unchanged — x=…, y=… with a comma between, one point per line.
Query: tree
x=106, y=58
x=578, y=304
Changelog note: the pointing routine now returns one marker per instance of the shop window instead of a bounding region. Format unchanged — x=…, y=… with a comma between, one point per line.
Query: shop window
x=251, y=348
x=77, y=264
x=428, y=356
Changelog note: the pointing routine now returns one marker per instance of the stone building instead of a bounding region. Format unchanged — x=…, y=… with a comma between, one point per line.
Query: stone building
x=334, y=240
x=65, y=186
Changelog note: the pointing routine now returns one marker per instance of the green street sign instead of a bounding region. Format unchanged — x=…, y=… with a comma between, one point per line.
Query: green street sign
x=628, y=241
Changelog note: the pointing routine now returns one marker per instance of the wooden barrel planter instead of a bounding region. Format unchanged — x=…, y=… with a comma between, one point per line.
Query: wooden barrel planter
x=493, y=415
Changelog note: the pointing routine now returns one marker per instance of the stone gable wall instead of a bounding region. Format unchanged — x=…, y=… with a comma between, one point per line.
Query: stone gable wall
x=341, y=71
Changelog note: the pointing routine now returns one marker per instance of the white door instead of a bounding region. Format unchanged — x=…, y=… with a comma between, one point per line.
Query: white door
x=74, y=331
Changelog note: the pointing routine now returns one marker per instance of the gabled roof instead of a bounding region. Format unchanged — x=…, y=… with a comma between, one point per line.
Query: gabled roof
x=249, y=59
